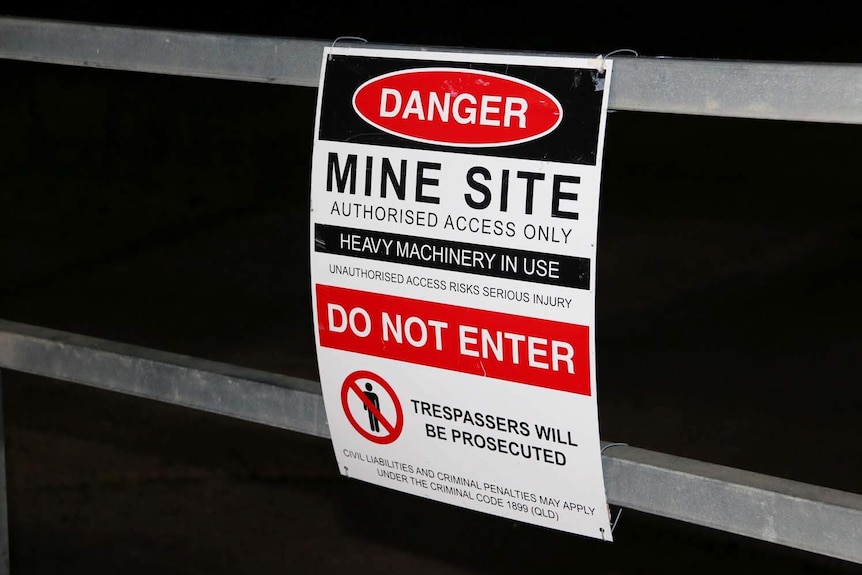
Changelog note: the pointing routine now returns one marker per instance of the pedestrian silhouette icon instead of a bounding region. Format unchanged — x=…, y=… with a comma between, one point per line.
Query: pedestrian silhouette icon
x=366, y=394
x=373, y=422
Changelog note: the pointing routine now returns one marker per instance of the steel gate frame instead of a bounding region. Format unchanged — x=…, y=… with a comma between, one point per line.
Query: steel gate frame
x=799, y=515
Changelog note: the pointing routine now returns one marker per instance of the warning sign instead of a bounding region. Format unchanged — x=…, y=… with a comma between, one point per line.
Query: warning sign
x=453, y=242
x=379, y=423
x=491, y=344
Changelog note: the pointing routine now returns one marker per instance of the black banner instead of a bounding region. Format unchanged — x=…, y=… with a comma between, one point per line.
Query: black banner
x=535, y=267
x=574, y=141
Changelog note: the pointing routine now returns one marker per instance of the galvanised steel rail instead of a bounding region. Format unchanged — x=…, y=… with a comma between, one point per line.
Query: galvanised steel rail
x=808, y=517
x=799, y=515
x=764, y=90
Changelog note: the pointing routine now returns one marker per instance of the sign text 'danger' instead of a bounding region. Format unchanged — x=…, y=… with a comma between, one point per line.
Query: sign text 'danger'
x=457, y=107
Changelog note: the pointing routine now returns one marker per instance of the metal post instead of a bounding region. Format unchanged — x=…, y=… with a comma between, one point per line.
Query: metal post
x=4, y=526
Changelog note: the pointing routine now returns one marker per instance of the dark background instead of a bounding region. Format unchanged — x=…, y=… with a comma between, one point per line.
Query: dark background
x=173, y=213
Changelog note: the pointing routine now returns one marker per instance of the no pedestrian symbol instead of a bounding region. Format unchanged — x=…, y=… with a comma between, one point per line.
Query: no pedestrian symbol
x=372, y=407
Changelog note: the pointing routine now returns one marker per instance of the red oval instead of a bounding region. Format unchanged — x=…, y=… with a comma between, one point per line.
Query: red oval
x=457, y=107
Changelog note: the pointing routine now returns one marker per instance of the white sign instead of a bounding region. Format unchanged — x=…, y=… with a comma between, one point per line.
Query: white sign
x=454, y=219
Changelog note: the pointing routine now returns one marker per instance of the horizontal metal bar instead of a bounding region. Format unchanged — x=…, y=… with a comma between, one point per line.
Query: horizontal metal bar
x=275, y=400
x=799, y=515
x=761, y=90
x=228, y=57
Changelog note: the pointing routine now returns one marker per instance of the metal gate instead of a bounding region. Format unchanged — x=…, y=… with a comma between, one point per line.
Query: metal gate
x=803, y=516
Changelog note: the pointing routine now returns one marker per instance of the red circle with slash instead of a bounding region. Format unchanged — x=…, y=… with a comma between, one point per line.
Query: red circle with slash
x=392, y=428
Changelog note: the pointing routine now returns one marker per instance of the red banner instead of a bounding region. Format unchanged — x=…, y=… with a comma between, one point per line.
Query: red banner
x=515, y=348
